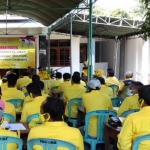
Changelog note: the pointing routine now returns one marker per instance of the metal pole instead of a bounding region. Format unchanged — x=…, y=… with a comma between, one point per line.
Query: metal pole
x=116, y=51
x=49, y=30
x=90, y=73
x=71, y=44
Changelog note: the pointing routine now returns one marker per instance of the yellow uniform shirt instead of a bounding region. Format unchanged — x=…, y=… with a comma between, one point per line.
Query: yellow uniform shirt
x=57, y=130
x=82, y=83
x=44, y=75
x=57, y=82
x=135, y=125
x=122, y=85
x=12, y=93
x=23, y=82
x=4, y=86
x=62, y=86
x=128, y=104
x=106, y=90
x=32, y=107
x=10, y=109
x=111, y=81
x=74, y=91
x=95, y=100
x=10, y=146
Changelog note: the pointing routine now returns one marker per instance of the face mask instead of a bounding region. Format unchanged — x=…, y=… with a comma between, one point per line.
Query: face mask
x=130, y=93
x=42, y=118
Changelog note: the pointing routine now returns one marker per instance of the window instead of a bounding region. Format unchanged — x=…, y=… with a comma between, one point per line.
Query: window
x=59, y=53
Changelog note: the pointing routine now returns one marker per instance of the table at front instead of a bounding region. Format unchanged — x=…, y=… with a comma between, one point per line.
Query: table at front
x=110, y=132
x=47, y=85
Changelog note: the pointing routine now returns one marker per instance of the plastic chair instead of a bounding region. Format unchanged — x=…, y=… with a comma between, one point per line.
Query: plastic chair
x=53, y=89
x=10, y=117
x=115, y=89
x=116, y=101
x=124, y=114
x=61, y=94
x=4, y=140
x=49, y=144
x=15, y=102
x=125, y=92
x=102, y=116
x=70, y=102
x=29, y=118
x=138, y=140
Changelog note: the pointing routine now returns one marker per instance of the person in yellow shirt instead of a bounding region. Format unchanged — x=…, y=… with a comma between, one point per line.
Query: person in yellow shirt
x=127, y=82
x=111, y=79
x=4, y=85
x=137, y=124
x=53, y=127
x=99, y=73
x=57, y=82
x=33, y=107
x=95, y=100
x=73, y=91
x=4, y=132
x=24, y=81
x=43, y=74
x=66, y=83
x=12, y=92
x=130, y=102
x=105, y=89
x=81, y=81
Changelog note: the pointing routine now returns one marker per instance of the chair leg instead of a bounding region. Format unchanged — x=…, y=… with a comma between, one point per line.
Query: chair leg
x=93, y=146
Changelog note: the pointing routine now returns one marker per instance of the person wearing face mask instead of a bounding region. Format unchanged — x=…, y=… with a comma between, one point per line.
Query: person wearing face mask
x=137, y=124
x=53, y=127
x=33, y=107
x=130, y=102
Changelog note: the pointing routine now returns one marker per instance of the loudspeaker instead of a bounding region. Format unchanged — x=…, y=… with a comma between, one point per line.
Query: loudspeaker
x=42, y=42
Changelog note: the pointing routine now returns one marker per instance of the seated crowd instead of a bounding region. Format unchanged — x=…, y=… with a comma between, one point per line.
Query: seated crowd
x=52, y=110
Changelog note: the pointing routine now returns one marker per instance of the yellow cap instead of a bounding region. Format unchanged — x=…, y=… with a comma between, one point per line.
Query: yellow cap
x=99, y=72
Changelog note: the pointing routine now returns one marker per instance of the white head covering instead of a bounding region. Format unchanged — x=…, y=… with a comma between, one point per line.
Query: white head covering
x=94, y=84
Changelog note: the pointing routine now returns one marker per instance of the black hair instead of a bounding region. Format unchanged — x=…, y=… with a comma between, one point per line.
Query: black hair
x=137, y=84
x=12, y=79
x=66, y=76
x=25, y=74
x=101, y=79
x=35, y=89
x=76, y=79
x=40, y=67
x=55, y=107
x=58, y=75
x=76, y=73
x=4, y=79
x=110, y=72
x=35, y=78
x=144, y=94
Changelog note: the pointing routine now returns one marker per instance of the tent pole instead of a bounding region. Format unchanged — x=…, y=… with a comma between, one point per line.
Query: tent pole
x=48, y=34
x=90, y=73
x=71, y=44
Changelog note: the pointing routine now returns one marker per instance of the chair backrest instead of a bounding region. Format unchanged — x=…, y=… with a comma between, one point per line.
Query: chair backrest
x=115, y=89
x=53, y=89
x=15, y=102
x=116, y=101
x=61, y=94
x=49, y=144
x=4, y=140
x=138, y=140
x=125, y=91
x=9, y=116
x=102, y=116
x=78, y=101
x=29, y=118
x=124, y=114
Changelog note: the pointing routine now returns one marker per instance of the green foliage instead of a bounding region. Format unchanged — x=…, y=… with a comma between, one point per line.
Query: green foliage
x=50, y=72
x=145, y=29
x=99, y=11
x=120, y=13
